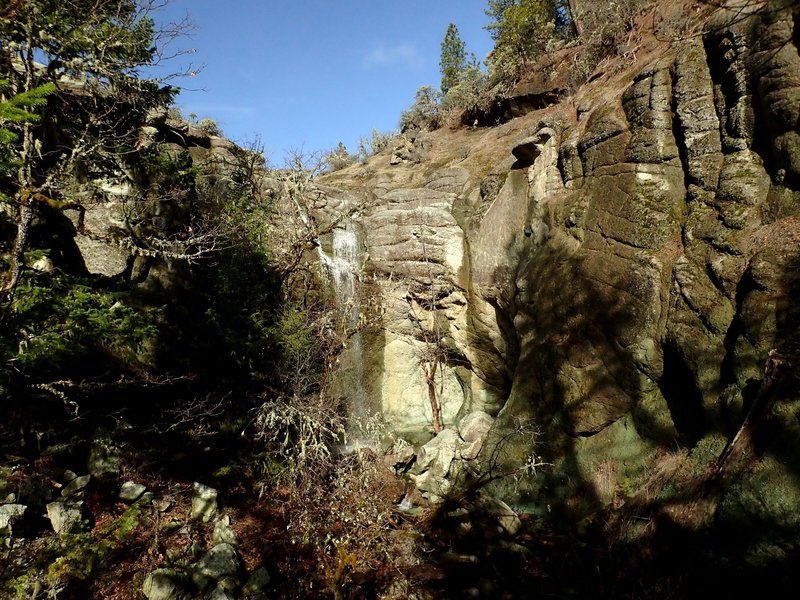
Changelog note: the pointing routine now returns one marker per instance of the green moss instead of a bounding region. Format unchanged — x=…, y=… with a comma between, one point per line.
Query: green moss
x=704, y=453
x=761, y=507
x=80, y=553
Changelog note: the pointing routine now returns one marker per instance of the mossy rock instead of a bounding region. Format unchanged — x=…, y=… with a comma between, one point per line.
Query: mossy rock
x=761, y=508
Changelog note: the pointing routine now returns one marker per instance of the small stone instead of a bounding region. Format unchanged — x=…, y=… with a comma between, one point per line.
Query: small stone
x=204, y=502
x=219, y=563
x=44, y=264
x=162, y=506
x=220, y=593
x=164, y=584
x=65, y=517
x=76, y=486
x=131, y=492
x=257, y=582
x=223, y=534
x=68, y=476
x=229, y=583
x=10, y=514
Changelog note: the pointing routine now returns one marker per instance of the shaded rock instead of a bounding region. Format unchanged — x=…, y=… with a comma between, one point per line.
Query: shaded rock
x=204, y=502
x=103, y=457
x=76, y=486
x=65, y=517
x=219, y=563
x=223, y=533
x=220, y=593
x=10, y=514
x=501, y=512
x=257, y=582
x=131, y=492
x=165, y=584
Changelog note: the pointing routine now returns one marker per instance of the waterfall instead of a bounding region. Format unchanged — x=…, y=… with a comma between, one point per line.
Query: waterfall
x=342, y=266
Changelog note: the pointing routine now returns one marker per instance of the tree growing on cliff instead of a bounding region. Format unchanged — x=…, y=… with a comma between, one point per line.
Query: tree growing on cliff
x=91, y=51
x=522, y=33
x=495, y=11
x=522, y=29
x=453, y=58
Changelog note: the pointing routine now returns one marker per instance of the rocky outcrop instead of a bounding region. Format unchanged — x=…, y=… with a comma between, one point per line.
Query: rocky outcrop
x=614, y=270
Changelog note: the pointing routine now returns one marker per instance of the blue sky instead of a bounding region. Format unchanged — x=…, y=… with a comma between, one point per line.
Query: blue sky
x=310, y=73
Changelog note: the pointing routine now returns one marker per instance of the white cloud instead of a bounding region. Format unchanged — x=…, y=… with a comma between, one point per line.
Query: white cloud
x=405, y=55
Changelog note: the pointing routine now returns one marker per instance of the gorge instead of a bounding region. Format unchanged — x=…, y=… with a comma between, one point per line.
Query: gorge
x=567, y=342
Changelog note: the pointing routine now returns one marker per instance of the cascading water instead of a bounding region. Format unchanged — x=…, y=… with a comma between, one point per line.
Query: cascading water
x=342, y=265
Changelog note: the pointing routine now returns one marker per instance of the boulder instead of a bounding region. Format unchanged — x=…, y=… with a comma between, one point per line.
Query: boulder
x=76, y=486
x=433, y=475
x=475, y=426
x=473, y=430
x=204, y=502
x=217, y=565
x=130, y=492
x=9, y=515
x=165, y=584
x=223, y=533
x=65, y=517
x=257, y=582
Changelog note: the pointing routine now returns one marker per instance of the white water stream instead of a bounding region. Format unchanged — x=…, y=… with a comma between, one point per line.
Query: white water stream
x=342, y=266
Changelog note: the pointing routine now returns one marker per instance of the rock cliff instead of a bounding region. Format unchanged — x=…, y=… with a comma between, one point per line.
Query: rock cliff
x=613, y=269
x=604, y=283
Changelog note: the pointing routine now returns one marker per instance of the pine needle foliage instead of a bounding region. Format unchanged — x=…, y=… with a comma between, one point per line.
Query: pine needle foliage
x=453, y=58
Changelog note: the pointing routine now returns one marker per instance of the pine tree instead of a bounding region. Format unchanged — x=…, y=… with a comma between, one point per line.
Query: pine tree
x=496, y=11
x=521, y=31
x=453, y=60
x=14, y=112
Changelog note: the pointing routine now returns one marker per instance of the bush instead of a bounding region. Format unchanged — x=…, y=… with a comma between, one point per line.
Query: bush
x=338, y=158
x=209, y=126
x=378, y=142
x=471, y=93
x=424, y=113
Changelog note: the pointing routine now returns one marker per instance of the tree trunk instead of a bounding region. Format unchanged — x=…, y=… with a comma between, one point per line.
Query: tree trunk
x=573, y=16
x=775, y=371
x=20, y=242
x=24, y=178
x=436, y=409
